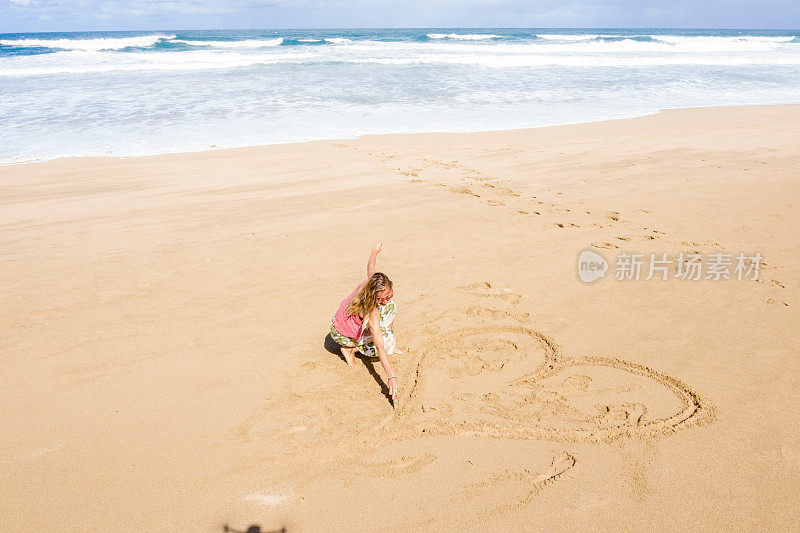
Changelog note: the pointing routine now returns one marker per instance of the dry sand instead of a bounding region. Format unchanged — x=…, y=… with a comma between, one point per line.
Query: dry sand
x=163, y=324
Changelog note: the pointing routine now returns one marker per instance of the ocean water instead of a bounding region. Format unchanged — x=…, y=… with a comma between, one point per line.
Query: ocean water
x=136, y=93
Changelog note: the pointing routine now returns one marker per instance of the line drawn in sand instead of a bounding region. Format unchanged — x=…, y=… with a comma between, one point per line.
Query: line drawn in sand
x=514, y=382
x=500, y=378
x=534, y=482
x=528, y=485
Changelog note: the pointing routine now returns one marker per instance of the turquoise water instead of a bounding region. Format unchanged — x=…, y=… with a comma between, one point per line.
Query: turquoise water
x=133, y=93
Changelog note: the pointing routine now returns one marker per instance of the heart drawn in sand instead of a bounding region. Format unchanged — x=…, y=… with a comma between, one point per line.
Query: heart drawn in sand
x=509, y=381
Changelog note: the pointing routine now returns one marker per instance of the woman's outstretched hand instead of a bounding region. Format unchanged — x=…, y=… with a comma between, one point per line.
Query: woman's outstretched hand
x=391, y=382
x=377, y=247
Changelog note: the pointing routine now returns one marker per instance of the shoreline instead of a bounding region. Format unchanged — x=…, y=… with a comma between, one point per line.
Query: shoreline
x=379, y=135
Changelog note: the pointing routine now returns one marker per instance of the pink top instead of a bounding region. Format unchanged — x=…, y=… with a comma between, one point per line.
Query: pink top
x=348, y=325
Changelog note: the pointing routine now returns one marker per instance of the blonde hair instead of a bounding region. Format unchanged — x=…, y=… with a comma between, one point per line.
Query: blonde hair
x=366, y=299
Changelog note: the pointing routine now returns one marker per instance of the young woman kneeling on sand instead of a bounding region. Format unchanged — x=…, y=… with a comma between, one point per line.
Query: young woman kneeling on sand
x=352, y=331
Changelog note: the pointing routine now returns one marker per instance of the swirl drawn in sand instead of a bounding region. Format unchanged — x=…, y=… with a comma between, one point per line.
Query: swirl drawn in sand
x=521, y=488
x=500, y=378
x=510, y=381
x=533, y=482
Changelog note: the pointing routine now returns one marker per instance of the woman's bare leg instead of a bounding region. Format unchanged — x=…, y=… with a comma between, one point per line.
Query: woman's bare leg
x=349, y=355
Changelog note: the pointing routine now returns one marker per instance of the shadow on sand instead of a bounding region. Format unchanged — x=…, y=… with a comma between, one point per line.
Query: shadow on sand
x=252, y=529
x=333, y=347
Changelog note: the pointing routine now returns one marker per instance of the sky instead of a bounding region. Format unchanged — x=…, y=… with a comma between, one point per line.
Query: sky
x=86, y=15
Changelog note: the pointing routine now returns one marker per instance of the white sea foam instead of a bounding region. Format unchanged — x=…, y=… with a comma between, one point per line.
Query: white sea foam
x=743, y=38
x=620, y=53
x=84, y=62
x=462, y=36
x=576, y=60
x=111, y=43
x=560, y=37
x=106, y=97
x=248, y=43
x=726, y=44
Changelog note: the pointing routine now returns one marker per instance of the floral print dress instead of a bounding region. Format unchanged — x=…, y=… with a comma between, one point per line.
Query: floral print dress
x=366, y=344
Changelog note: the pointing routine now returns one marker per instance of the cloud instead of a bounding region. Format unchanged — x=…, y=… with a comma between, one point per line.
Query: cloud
x=89, y=8
x=118, y=14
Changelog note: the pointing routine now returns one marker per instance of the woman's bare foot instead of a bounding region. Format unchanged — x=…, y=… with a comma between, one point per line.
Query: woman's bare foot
x=349, y=355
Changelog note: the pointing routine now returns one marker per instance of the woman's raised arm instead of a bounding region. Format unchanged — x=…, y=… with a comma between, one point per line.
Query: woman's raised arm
x=373, y=256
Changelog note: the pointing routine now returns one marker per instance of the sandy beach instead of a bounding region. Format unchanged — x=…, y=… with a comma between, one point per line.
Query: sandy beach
x=164, y=320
